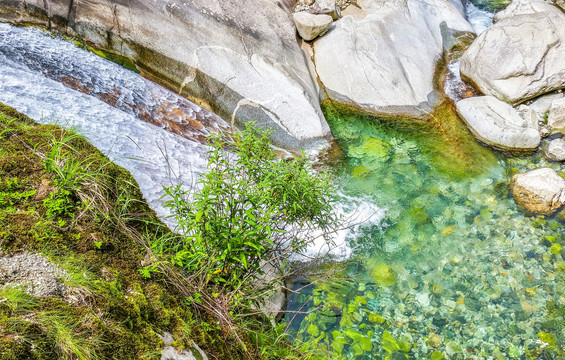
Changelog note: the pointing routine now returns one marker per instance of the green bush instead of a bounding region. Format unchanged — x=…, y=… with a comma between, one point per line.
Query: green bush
x=251, y=208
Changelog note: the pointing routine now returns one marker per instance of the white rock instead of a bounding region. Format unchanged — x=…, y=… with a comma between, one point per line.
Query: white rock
x=520, y=56
x=374, y=58
x=541, y=191
x=556, y=116
x=240, y=59
x=329, y=7
x=530, y=116
x=542, y=103
x=498, y=124
x=555, y=150
x=310, y=26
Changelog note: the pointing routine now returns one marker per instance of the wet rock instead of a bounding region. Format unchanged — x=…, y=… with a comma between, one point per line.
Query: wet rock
x=521, y=55
x=498, y=124
x=311, y=26
x=540, y=191
x=555, y=150
x=556, y=115
x=386, y=70
x=33, y=273
x=239, y=59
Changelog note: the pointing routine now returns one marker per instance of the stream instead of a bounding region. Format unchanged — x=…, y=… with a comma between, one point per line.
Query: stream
x=447, y=265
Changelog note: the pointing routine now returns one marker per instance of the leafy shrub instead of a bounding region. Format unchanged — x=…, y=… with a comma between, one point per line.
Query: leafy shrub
x=251, y=208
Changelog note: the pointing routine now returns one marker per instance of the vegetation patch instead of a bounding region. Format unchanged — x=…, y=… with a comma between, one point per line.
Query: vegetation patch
x=61, y=197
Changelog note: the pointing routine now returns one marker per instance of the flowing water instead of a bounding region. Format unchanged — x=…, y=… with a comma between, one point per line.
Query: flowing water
x=39, y=75
x=447, y=266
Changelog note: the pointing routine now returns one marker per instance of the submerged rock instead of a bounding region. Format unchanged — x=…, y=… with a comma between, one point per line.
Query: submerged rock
x=374, y=58
x=555, y=150
x=239, y=59
x=521, y=55
x=310, y=26
x=498, y=124
x=541, y=191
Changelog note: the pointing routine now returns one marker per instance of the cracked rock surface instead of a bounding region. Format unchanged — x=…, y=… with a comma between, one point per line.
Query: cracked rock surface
x=521, y=56
x=239, y=59
x=381, y=56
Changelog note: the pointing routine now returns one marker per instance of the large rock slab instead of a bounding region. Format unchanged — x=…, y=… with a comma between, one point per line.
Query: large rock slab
x=521, y=55
x=540, y=191
x=375, y=59
x=238, y=58
x=498, y=124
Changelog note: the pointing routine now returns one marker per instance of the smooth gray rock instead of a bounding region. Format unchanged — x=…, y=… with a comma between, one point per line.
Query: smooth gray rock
x=498, y=124
x=170, y=353
x=33, y=273
x=555, y=150
x=540, y=191
x=329, y=7
x=521, y=55
x=556, y=115
x=239, y=59
x=310, y=26
x=542, y=104
x=374, y=58
x=529, y=115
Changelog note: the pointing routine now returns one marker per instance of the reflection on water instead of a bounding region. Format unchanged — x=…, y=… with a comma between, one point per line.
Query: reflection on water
x=455, y=270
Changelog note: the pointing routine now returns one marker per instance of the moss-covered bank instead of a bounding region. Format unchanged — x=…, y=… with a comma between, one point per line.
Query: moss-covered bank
x=61, y=197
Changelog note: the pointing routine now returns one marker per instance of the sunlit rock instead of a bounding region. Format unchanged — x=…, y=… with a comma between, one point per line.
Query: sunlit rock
x=239, y=59
x=521, y=55
x=310, y=26
x=555, y=150
x=540, y=191
x=556, y=115
x=374, y=58
x=498, y=124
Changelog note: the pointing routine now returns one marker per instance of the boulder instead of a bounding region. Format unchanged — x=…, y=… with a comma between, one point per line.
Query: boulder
x=374, y=59
x=310, y=26
x=239, y=59
x=498, y=124
x=556, y=115
x=521, y=55
x=555, y=150
x=540, y=191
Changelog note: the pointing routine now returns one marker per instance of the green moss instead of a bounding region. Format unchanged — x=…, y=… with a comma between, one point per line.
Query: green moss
x=110, y=310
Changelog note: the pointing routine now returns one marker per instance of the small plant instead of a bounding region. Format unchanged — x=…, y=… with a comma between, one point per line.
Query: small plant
x=252, y=208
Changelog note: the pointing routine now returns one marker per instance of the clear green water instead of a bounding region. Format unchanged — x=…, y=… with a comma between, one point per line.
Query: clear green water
x=454, y=271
